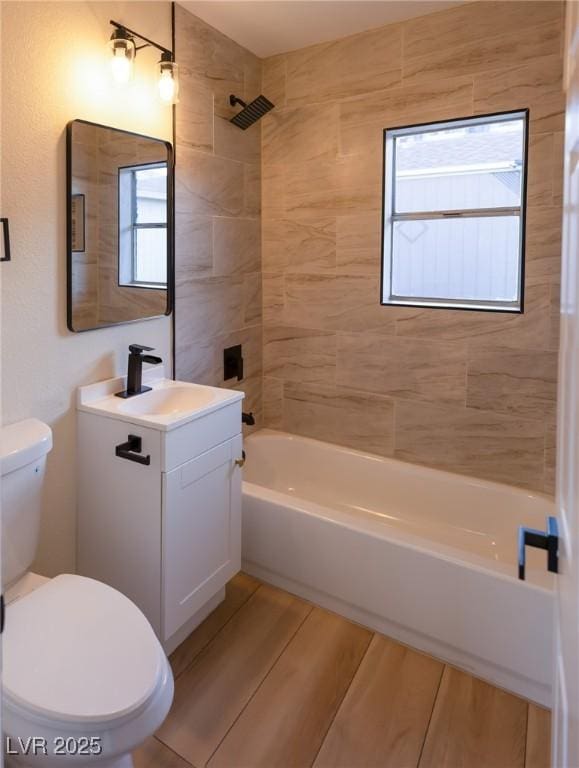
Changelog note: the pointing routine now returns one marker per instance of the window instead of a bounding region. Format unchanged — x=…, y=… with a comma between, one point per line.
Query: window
x=454, y=213
x=143, y=226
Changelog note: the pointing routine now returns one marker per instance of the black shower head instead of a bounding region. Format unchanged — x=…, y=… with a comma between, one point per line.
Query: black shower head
x=250, y=113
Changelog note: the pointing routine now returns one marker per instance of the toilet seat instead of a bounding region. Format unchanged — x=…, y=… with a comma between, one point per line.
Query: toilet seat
x=77, y=651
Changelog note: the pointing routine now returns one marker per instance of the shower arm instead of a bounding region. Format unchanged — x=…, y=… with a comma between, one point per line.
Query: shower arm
x=234, y=100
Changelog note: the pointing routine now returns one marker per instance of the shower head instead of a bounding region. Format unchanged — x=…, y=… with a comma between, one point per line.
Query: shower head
x=250, y=113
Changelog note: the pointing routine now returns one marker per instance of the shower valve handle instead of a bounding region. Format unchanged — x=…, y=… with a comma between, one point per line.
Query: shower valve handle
x=549, y=540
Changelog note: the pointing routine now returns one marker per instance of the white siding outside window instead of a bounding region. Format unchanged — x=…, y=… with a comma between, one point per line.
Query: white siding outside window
x=454, y=208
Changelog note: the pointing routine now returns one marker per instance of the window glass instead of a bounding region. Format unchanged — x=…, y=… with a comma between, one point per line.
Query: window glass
x=454, y=213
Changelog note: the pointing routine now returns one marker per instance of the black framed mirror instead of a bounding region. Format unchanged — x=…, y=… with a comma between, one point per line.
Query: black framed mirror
x=119, y=226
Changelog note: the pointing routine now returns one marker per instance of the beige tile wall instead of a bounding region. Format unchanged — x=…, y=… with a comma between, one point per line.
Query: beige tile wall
x=470, y=392
x=217, y=219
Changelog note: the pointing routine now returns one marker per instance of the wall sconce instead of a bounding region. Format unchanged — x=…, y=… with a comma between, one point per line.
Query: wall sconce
x=124, y=50
x=168, y=79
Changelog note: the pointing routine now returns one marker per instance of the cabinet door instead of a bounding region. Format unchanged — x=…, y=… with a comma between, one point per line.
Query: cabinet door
x=201, y=531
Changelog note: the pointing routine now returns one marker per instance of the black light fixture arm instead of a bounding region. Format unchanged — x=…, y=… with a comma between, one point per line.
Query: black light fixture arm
x=147, y=41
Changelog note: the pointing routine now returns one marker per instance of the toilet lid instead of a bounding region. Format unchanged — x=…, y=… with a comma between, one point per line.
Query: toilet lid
x=79, y=650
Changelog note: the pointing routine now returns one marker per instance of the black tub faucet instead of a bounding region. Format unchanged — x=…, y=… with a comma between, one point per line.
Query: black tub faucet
x=135, y=370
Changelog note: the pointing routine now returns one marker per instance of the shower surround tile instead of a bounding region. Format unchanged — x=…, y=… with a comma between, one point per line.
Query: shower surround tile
x=515, y=382
x=471, y=442
x=332, y=353
x=363, y=119
x=406, y=369
x=508, y=49
x=299, y=354
x=537, y=85
x=370, y=61
x=340, y=415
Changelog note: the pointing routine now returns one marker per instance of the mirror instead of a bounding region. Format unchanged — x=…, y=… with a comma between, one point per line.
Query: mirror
x=119, y=226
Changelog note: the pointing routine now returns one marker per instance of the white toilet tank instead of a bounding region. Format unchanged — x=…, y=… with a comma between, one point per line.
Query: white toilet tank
x=23, y=450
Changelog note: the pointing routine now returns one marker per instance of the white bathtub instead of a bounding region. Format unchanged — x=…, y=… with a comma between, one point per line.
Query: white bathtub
x=424, y=556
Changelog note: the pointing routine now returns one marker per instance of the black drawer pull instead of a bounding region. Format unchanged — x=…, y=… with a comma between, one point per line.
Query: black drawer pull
x=131, y=450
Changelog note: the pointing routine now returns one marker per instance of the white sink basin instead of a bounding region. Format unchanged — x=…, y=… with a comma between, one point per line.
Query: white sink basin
x=168, y=405
x=169, y=402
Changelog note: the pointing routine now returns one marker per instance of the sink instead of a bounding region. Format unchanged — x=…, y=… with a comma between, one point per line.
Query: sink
x=168, y=402
x=168, y=405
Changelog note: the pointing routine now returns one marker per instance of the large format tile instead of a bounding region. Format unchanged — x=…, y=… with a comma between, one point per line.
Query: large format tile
x=193, y=246
x=272, y=402
x=236, y=245
x=360, y=420
x=530, y=330
x=336, y=302
x=300, y=696
x=273, y=79
x=272, y=291
x=537, y=85
x=369, y=61
x=350, y=184
x=475, y=724
x=237, y=593
x=296, y=134
x=540, y=169
x=511, y=48
x=210, y=694
x=409, y=369
x=359, y=243
x=299, y=243
x=231, y=142
x=517, y=382
x=194, y=116
x=472, y=442
x=299, y=354
x=207, y=184
x=473, y=23
x=543, y=242
x=207, y=306
x=364, y=119
x=385, y=714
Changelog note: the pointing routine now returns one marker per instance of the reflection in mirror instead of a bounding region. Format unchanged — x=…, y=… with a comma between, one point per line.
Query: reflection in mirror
x=119, y=226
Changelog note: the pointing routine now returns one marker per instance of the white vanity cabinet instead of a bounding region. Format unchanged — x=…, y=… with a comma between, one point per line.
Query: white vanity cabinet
x=166, y=533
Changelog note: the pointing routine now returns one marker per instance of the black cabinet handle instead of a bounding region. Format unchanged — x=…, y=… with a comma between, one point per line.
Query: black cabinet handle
x=131, y=450
x=549, y=540
x=5, y=240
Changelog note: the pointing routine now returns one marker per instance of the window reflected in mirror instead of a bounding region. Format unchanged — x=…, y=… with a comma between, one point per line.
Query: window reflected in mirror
x=119, y=226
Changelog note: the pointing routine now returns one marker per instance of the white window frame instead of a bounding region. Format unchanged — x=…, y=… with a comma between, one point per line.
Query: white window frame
x=390, y=215
x=128, y=234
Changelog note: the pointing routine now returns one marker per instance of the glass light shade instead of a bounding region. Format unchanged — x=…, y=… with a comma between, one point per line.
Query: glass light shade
x=168, y=81
x=122, y=49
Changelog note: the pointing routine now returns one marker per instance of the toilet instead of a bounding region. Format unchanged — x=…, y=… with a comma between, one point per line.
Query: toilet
x=85, y=680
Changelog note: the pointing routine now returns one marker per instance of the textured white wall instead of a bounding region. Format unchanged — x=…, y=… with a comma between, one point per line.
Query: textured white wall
x=54, y=69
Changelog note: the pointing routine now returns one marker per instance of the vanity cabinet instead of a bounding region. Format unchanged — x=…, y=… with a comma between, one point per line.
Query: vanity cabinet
x=166, y=533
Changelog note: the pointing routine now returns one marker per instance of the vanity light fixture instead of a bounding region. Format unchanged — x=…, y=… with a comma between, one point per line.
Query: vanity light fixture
x=124, y=50
x=168, y=79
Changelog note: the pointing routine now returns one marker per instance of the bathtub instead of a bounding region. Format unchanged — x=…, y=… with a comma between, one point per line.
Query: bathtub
x=424, y=556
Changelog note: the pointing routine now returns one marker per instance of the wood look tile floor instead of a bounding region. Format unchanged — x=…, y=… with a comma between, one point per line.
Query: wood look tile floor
x=270, y=681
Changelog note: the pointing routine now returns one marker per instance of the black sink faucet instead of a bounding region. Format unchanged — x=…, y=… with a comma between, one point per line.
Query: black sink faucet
x=135, y=370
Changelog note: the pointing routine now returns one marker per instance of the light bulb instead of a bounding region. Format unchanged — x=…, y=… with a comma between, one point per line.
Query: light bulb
x=168, y=79
x=122, y=47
